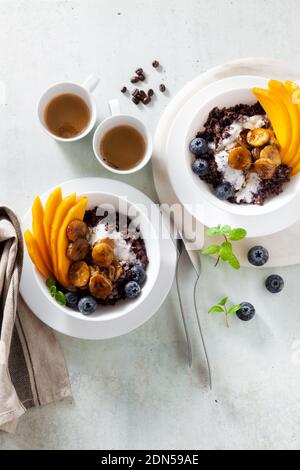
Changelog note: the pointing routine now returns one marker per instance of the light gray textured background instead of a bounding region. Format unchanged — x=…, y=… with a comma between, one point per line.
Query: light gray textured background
x=136, y=392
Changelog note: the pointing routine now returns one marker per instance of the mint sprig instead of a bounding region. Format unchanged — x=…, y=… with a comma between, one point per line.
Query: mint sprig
x=222, y=308
x=225, y=250
x=55, y=293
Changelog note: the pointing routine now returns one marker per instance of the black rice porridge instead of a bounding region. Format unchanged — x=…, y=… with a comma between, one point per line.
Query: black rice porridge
x=130, y=240
x=221, y=132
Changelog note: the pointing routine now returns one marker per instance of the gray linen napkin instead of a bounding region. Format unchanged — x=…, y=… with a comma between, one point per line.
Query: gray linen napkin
x=32, y=367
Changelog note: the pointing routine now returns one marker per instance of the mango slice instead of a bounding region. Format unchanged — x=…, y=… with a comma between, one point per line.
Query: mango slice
x=296, y=169
x=279, y=90
x=59, y=218
x=282, y=105
x=291, y=88
x=35, y=254
x=278, y=116
x=39, y=233
x=52, y=204
x=63, y=262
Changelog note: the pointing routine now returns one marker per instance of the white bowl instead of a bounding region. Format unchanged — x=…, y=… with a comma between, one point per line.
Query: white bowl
x=123, y=307
x=121, y=319
x=228, y=99
x=276, y=214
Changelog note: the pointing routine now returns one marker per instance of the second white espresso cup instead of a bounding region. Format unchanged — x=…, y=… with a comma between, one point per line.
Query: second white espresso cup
x=84, y=91
x=117, y=119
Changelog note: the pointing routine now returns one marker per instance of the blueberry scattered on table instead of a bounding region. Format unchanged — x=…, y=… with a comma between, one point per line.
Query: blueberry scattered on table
x=132, y=290
x=246, y=312
x=72, y=300
x=199, y=147
x=200, y=167
x=258, y=256
x=224, y=191
x=275, y=284
x=138, y=275
x=87, y=305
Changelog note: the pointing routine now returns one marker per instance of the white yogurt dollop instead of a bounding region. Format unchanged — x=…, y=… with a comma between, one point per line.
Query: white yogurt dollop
x=248, y=185
x=235, y=177
x=249, y=189
x=122, y=248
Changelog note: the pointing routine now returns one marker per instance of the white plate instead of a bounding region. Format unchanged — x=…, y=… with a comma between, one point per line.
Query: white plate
x=95, y=329
x=187, y=187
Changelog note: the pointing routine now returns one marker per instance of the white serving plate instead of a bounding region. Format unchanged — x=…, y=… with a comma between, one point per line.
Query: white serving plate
x=115, y=321
x=277, y=214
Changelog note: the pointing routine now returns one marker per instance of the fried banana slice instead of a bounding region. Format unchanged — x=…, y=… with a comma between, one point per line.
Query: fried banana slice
x=273, y=140
x=240, y=158
x=271, y=152
x=265, y=168
x=242, y=139
x=258, y=137
x=103, y=254
x=100, y=286
x=256, y=153
x=77, y=229
x=108, y=241
x=78, y=250
x=115, y=272
x=79, y=274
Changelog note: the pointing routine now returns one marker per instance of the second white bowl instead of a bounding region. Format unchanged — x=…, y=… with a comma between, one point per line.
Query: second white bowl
x=277, y=213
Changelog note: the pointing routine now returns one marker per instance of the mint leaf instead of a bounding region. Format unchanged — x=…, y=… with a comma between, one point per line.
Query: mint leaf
x=224, y=302
x=211, y=250
x=216, y=309
x=212, y=232
x=50, y=283
x=237, y=234
x=226, y=251
x=53, y=291
x=226, y=230
x=60, y=298
x=57, y=295
x=221, y=308
x=234, y=262
x=234, y=309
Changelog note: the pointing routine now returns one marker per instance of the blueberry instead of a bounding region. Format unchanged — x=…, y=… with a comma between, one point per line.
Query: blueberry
x=200, y=167
x=87, y=305
x=199, y=147
x=258, y=256
x=132, y=290
x=246, y=312
x=224, y=191
x=138, y=275
x=72, y=300
x=275, y=284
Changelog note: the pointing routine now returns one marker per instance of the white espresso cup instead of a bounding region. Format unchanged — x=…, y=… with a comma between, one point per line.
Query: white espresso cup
x=84, y=91
x=117, y=119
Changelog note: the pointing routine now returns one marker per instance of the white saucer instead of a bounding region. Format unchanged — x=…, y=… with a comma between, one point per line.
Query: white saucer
x=209, y=210
x=77, y=326
x=288, y=239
